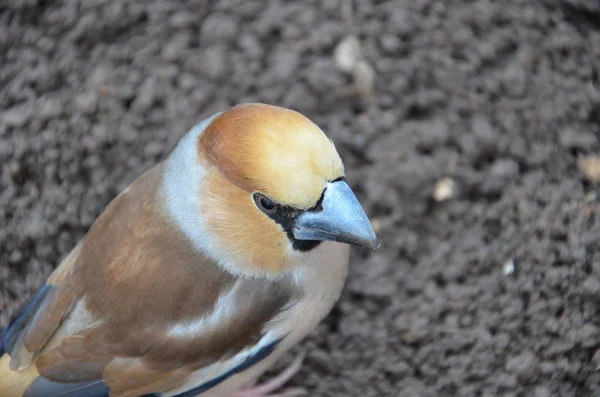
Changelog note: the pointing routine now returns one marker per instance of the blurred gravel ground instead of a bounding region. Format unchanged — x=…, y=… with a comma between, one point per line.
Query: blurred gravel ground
x=501, y=98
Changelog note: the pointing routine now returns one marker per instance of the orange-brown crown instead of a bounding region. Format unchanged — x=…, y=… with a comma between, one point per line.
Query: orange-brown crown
x=273, y=150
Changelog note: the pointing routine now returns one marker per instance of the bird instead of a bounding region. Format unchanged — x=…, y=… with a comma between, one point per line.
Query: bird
x=201, y=274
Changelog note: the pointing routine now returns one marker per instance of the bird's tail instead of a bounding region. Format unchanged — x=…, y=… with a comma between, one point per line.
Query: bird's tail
x=12, y=383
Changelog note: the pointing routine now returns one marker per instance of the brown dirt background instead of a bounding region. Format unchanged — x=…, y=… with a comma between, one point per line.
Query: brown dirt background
x=501, y=96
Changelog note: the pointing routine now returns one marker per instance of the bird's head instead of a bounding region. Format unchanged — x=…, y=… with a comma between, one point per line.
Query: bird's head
x=271, y=188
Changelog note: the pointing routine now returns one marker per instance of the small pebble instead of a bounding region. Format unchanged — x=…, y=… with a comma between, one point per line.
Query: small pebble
x=347, y=53
x=444, y=189
x=364, y=78
x=590, y=166
x=508, y=268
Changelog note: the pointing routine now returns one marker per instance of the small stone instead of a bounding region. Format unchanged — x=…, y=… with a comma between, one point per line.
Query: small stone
x=376, y=224
x=153, y=149
x=433, y=133
x=547, y=367
x=414, y=336
x=506, y=381
x=431, y=291
x=364, y=78
x=50, y=108
x=87, y=102
x=400, y=20
x=487, y=50
x=187, y=82
x=418, y=329
x=34, y=224
x=100, y=133
x=322, y=361
x=466, y=321
x=146, y=95
x=399, y=369
x=590, y=6
x=168, y=72
x=589, y=335
x=402, y=322
x=101, y=74
x=591, y=286
x=444, y=189
x=322, y=75
x=462, y=35
x=571, y=138
x=596, y=359
x=15, y=257
x=499, y=174
x=390, y=43
x=181, y=19
x=541, y=391
x=49, y=135
x=487, y=136
x=347, y=53
x=250, y=45
x=298, y=96
x=175, y=48
x=552, y=325
x=45, y=44
x=515, y=81
x=484, y=337
x=16, y=116
x=455, y=270
x=213, y=62
x=284, y=64
x=219, y=28
x=508, y=268
x=590, y=166
x=523, y=365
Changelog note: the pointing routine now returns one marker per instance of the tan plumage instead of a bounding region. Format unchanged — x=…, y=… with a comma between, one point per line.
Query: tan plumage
x=260, y=147
x=12, y=384
x=184, y=277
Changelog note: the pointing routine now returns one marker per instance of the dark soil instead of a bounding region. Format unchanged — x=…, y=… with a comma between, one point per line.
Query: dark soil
x=501, y=96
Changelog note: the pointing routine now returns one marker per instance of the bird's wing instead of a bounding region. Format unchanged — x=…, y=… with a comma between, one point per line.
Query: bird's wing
x=136, y=309
x=30, y=329
x=90, y=361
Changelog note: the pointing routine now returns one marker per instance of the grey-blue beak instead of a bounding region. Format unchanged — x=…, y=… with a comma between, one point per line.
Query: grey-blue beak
x=342, y=219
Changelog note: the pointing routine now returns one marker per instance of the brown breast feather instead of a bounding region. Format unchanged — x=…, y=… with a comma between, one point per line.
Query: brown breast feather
x=138, y=277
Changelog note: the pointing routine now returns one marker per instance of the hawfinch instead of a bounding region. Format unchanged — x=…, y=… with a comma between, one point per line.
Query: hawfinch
x=201, y=274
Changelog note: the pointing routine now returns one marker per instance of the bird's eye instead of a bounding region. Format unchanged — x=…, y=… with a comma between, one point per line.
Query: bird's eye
x=265, y=204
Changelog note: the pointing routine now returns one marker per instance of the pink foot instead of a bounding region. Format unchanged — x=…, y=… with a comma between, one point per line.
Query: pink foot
x=277, y=382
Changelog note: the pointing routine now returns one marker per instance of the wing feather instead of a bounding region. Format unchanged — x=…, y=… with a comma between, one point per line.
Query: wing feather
x=136, y=309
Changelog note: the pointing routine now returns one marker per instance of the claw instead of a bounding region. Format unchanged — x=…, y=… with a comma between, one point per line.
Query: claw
x=277, y=382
